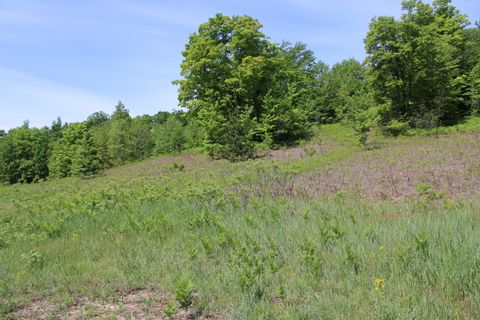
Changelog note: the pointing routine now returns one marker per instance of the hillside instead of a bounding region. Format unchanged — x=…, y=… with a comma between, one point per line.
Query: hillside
x=326, y=228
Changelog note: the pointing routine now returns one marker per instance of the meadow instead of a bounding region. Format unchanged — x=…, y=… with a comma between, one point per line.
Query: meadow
x=324, y=230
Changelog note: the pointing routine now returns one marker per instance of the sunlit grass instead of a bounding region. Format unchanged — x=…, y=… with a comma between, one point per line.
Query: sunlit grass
x=199, y=235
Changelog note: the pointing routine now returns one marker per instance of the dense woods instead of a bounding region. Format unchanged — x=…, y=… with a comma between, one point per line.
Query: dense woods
x=241, y=91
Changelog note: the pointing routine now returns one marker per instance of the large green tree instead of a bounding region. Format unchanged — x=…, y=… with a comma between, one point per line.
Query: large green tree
x=474, y=89
x=241, y=88
x=24, y=155
x=290, y=101
x=338, y=85
x=74, y=154
x=225, y=71
x=120, y=143
x=414, y=63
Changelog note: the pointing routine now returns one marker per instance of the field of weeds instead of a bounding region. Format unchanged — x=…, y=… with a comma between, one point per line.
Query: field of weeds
x=324, y=230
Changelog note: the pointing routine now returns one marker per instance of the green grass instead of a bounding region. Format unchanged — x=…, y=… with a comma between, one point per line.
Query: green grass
x=469, y=124
x=199, y=236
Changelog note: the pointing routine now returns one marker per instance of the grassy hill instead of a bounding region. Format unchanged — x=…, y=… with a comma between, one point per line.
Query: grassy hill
x=323, y=230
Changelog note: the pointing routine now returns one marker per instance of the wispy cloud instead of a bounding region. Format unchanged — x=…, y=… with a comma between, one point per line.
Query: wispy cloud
x=66, y=58
x=25, y=13
x=161, y=12
x=23, y=95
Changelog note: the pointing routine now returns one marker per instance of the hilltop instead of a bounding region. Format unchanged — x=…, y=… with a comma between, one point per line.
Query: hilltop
x=324, y=228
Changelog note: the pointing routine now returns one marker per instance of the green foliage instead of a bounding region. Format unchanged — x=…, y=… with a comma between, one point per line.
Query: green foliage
x=184, y=291
x=234, y=138
x=231, y=240
x=23, y=155
x=251, y=244
x=243, y=89
x=395, y=128
x=414, y=63
x=74, y=153
x=85, y=160
x=312, y=258
x=344, y=82
x=100, y=140
x=169, y=136
x=471, y=48
x=474, y=89
x=97, y=119
x=170, y=308
x=289, y=103
x=142, y=138
x=120, y=142
x=178, y=166
x=34, y=260
x=127, y=139
x=427, y=194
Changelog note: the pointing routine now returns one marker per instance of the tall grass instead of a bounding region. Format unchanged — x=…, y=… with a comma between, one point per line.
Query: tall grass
x=199, y=235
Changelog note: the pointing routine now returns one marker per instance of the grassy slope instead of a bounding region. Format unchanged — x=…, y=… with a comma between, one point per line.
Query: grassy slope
x=248, y=241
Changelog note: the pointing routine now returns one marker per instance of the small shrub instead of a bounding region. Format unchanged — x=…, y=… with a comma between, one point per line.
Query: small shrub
x=352, y=258
x=34, y=260
x=422, y=243
x=170, y=308
x=311, y=257
x=170, y=136
x=177, y=166
x=207, y=245
x=426, y=193
x=184, y=291
x=395, y=128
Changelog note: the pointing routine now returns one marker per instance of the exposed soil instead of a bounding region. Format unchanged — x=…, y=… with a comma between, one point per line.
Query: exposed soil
x=135, y=304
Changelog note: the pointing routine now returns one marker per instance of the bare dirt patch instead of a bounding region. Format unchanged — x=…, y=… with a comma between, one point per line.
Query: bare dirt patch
x=38, y=309
x=135, y=304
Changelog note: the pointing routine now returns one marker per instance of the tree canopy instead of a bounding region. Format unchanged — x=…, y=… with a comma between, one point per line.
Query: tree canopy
x=239, y=91
x=414, y=64
x=242, y=88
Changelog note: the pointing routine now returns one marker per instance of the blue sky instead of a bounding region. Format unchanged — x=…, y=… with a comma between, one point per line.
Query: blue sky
x=71, y=58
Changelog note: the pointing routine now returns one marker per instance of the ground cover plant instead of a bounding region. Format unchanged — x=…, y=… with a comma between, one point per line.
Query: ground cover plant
x=240, y=92
x=186, y=237
x=283, y=189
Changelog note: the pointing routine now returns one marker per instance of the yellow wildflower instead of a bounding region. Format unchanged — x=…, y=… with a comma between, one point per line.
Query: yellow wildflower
x=378, y=285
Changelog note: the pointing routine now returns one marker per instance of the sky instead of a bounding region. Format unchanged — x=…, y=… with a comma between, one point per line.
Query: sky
x=68, y=59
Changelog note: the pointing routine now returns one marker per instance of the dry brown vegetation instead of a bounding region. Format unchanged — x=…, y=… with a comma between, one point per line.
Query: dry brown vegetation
x=134, y=304
x=448, y=166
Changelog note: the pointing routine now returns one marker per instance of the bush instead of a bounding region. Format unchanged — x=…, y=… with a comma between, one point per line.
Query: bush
x=170, y=136
x=395, y=128
x=23, y=155
x=234, y=142
x=183, y=291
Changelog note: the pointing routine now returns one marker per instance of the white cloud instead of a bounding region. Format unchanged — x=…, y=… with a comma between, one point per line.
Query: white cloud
x=27, y=97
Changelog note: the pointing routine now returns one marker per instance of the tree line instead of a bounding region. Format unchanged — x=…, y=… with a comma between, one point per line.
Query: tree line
x=240, y=91
x=84, y=148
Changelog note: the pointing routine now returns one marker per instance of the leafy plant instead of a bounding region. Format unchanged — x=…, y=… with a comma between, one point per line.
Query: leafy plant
x=34, y=260
x=170, y=308
x=184, y=291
